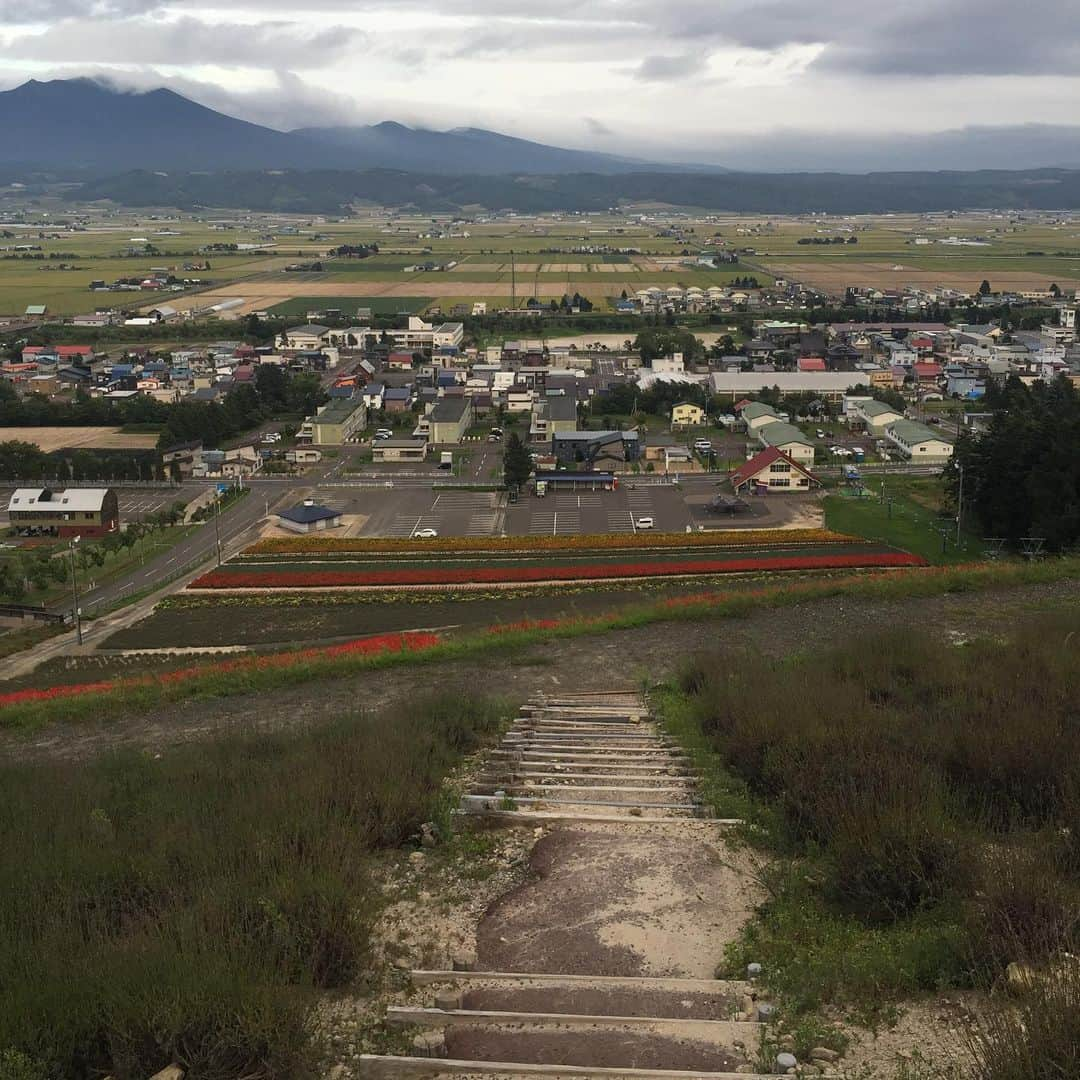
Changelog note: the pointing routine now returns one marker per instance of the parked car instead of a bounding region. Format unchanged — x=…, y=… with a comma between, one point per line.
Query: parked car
x=820, y=434
x=425, y=534
x=643, y=523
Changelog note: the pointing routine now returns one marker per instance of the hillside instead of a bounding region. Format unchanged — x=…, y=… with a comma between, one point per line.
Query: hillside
x=79, y=124
x=331, y=190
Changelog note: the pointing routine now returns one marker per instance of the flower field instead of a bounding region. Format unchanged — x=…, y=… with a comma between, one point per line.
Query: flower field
x=480, y=575
x=370, y=646
x=330, y=546
x=263, y=672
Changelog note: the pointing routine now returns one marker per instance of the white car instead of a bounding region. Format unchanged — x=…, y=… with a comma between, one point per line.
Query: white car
x=703, y=445
x=643, y=523
x=425, y=534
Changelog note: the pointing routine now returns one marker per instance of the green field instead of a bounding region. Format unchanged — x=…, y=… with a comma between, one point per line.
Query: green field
x=102, y=248
x=380, y=305
x=910, y=518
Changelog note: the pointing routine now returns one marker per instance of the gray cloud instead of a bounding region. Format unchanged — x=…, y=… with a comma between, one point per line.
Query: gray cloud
x=670, y=68
x=919, y=37
x=186, y=41
x=597, y=127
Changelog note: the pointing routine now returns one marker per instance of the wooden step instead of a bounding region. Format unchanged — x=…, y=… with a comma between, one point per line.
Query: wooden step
x=726, y=1031
x=432, y=976
x=534, y=817
x=484, y=803
x=416, y=1068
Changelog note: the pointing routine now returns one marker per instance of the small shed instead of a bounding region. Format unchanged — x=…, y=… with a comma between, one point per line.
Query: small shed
x=309, y=517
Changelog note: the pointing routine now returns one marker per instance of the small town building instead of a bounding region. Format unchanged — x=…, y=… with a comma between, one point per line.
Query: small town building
x=757, y=414
x=687, y=414
x=309, y=336
x=552, y=415
x=309, y=517
x=449, y=419
x=774, y=470
x=877, y=416
x=919, y=443
x=73, y=512
x=605, y=451
x=336, y=423
x=789, y=439
x=391, y=450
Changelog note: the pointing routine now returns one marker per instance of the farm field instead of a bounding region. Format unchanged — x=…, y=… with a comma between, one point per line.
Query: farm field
x=1022, y=252
x=835, y=273
x=196, y=621
x=49, y=439
x=380, y=305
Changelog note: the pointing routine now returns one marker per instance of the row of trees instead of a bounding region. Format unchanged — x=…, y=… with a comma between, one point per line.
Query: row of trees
x=25, y=462
x=1021, y=476
x=275, y=392
x=39, y=569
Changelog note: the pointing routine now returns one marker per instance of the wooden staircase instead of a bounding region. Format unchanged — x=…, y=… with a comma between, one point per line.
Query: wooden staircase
x=581, y=758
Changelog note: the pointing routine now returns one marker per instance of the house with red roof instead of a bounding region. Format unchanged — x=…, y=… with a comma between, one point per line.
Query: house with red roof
x=811, y=363
x=62, y=352
x=928, y=371
x=773, y=470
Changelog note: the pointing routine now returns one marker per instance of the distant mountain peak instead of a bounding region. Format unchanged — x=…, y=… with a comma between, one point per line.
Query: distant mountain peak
x=91, y=124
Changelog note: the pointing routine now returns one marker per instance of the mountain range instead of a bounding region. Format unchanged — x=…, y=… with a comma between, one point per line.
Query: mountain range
x=80, y=124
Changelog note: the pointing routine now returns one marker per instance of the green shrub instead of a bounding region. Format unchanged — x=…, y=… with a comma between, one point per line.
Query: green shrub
x=187, y=908
x=930, y=792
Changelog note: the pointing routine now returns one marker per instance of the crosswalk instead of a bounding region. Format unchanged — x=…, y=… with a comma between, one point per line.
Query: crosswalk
x=483, y=524
x=465, y=500
x=407, y=524
x=620, y=521
x=585, y=500
x=554, y=523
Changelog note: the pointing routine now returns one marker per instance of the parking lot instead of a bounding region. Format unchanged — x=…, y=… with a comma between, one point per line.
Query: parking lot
x=403, y=510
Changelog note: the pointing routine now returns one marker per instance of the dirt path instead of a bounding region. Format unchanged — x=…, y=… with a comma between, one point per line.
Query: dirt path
x=604, y=957
x=624, y=658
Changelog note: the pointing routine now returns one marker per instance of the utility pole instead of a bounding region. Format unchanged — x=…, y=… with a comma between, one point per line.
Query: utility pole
x=75, y=593
x=513, y=282
x=217, y=527
x=959, y=504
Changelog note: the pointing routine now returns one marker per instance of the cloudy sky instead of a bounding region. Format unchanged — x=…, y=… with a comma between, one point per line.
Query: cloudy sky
x=776, y=83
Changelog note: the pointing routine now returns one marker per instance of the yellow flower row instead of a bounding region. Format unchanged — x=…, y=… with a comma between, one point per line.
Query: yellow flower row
x=328, y=545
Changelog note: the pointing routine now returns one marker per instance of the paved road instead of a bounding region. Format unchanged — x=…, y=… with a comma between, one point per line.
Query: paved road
x=195, y=550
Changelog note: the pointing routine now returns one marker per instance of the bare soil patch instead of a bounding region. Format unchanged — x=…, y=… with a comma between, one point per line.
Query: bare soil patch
x=78, y=438
x=594, y=1001
x=602, y=900
x=602, y=1049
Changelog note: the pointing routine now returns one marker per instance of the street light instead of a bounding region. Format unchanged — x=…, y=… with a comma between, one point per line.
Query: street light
x=75, y=591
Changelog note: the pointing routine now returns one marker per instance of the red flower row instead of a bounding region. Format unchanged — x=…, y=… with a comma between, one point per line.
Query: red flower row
x=310, y=579
x=370, y=646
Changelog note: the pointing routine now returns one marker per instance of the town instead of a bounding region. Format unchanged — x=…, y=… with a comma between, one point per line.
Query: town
x=477, y=608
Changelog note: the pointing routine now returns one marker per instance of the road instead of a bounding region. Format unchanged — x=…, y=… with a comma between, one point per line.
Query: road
x=193, y=551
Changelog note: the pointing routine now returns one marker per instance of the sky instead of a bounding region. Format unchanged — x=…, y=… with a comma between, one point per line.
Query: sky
x=775, y=84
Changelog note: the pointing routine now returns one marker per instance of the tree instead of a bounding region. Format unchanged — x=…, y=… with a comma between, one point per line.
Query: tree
x=984, y=288
x=517, y=465
x=1021, y=476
